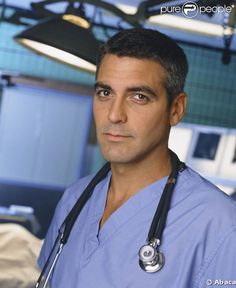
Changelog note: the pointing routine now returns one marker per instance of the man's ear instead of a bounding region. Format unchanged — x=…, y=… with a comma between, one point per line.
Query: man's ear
x=178, y=108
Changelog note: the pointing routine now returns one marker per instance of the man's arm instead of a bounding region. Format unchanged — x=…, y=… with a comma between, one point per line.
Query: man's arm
x=220, y=269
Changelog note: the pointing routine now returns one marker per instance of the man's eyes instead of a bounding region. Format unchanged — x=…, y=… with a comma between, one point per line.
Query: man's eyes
x=103, y=93
x=137, y=97
x=141, y=98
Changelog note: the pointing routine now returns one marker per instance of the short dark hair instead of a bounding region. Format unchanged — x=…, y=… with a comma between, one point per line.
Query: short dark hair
x=151, y=44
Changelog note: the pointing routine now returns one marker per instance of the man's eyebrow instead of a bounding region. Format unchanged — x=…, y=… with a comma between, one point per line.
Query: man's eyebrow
x=143, y=88
x=102, y=85
x=140, y=88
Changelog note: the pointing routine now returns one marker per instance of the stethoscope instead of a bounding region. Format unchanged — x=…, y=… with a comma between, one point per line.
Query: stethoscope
x=150, y=258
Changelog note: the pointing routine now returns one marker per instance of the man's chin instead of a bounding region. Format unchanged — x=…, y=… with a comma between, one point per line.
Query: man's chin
x=119, y=158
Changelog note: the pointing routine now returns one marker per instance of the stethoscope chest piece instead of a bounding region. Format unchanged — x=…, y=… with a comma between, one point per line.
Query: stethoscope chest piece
x=150, y=260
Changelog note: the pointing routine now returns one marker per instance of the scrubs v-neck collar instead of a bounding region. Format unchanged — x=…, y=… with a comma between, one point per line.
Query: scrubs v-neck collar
x=124, y=213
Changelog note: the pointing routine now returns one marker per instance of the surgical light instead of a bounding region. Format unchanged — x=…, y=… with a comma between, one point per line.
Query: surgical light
x=66, y=38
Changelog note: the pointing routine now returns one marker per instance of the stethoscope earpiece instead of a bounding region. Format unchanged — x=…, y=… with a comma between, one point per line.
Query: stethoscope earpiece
x=150, y=259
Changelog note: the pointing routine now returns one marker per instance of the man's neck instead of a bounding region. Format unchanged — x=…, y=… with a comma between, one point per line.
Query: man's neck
x=127, y=179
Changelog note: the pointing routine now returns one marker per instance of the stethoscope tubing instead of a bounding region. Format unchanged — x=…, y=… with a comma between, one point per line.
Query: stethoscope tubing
x=155, y=231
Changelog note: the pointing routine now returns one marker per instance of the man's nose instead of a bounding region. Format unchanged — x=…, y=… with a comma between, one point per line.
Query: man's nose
x=117, y=111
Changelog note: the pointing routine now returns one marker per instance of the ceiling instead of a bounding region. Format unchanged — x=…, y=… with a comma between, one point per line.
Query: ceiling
x=26, y=3
x=201, y=37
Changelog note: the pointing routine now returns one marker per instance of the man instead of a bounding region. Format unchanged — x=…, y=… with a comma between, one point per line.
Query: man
x=138, y=97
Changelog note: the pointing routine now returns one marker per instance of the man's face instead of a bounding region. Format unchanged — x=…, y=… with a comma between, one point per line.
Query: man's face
x=131, y=109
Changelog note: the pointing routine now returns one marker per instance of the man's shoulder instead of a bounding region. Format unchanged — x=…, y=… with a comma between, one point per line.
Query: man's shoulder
x=199, y=186
x=77, y=188
x=71, y=195
x=212, y=217
x=204, y=196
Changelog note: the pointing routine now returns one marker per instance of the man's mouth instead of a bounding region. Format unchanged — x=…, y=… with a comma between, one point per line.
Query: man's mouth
x=116, y=137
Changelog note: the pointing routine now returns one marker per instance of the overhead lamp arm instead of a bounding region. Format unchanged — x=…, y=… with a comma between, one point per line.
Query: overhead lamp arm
x=40, y=6
x=228, y=34
x=2, y=15
x=19, y=15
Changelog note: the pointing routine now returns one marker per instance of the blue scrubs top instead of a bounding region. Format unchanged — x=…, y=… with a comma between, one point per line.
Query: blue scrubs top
x=199, y=240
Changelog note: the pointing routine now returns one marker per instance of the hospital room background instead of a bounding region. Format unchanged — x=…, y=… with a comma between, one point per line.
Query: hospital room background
x=47, y=133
